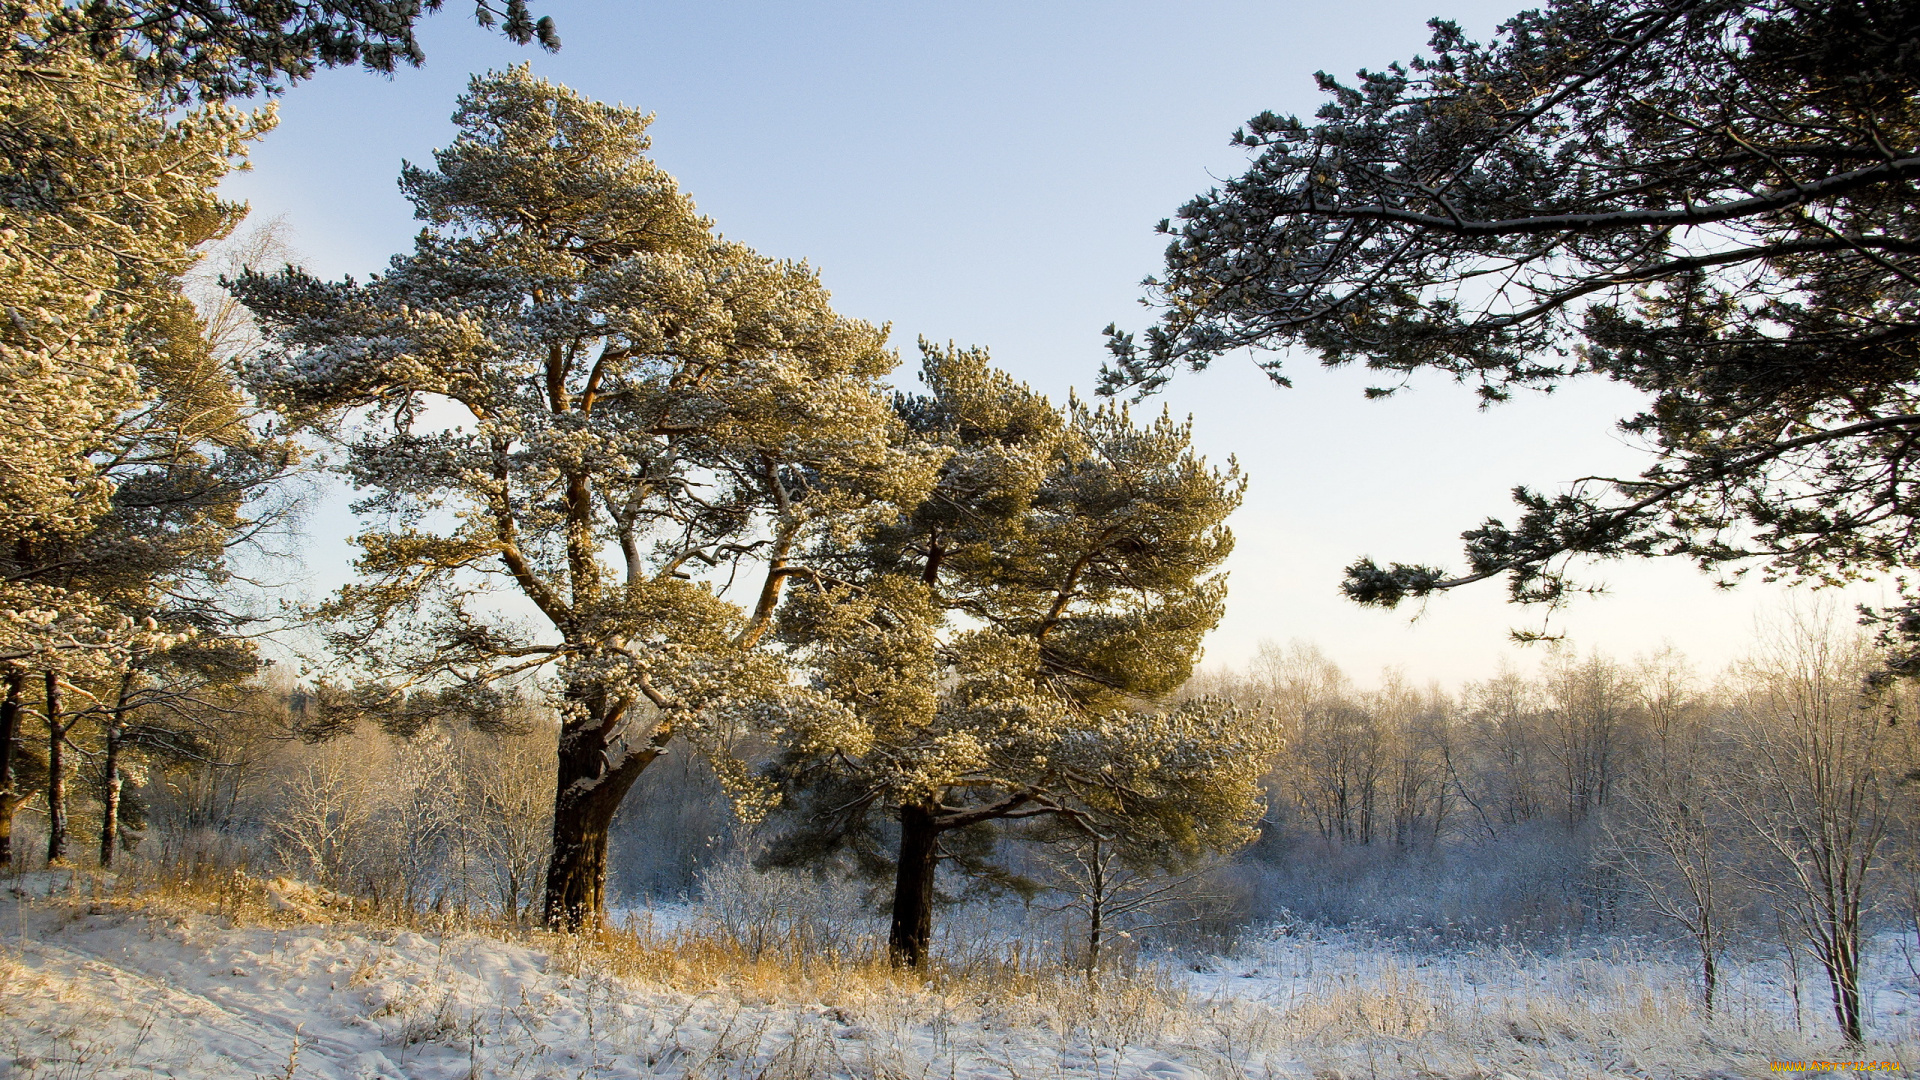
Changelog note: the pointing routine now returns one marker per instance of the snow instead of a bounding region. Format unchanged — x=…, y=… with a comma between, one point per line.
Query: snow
x=107, y=989
x=99, y=986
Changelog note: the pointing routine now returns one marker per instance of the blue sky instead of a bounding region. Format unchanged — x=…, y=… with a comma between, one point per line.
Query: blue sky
x=991, y=173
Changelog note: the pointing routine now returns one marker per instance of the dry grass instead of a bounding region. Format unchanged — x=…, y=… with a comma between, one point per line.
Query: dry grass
x=700, y=1001
x=774, y=970
x=1012, y=987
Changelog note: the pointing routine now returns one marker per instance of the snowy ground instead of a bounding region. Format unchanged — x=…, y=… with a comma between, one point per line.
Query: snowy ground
x=105, y=987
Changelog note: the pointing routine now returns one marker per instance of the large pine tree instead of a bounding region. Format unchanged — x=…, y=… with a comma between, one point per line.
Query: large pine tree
x=574, y=390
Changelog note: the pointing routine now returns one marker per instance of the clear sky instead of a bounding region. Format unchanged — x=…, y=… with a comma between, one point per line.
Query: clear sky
x=990, y=173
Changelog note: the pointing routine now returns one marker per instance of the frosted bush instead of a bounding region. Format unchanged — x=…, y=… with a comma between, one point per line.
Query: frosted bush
x=806, y=914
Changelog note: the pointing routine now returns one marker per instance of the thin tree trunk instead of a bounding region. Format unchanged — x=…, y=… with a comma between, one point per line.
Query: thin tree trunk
x=56, y=775
x=1096, y=907
x=114, y=781
x=1843, y=977
x=1094, y=928
x=12, y=792
x=110, y=799
x=1709, y=972
x=1793, y=972
x=911, y=936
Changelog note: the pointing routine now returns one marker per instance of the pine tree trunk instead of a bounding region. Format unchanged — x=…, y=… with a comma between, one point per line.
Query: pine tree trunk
x=577, y=870
x=1096, y=906
x=56, y=775
x=912, y=934
x=11, y=794
x=110, y=797
x=586, y=795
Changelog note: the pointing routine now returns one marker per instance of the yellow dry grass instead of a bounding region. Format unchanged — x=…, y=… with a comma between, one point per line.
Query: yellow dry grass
x=1016, y=984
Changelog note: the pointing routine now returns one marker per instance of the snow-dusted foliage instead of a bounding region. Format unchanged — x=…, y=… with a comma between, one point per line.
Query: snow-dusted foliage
x=102, y=367
x=574, y=389
x=128, y=458
x=450, y=819
x=997, y=648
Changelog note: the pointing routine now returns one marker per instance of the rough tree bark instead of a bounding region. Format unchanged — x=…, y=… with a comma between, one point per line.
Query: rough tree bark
x=11, y=791
x=56, y=774
x=911, y=935
x=595, y=774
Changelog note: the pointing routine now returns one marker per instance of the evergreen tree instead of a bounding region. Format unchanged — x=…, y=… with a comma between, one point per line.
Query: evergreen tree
x=1708, y=201
x=574, y=389
x=217, y=49
x=995, y=649
x=129, y=456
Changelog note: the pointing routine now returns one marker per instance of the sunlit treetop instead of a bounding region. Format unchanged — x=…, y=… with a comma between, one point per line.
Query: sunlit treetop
x=574, y=389
x=129, y=452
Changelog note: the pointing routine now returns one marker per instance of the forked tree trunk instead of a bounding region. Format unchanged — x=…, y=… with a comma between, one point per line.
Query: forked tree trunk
x=587, y=793
x=56, y=775
x=911, y=936
x=1842, y=961
x=12, y=792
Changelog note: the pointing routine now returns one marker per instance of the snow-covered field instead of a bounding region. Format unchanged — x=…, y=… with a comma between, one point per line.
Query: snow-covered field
x=104, y=986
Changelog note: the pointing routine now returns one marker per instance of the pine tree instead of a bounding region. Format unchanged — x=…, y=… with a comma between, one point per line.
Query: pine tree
x=220, y=49
x=128, y=455
x=573, y=388
x=995, y=649
x=1709, y=202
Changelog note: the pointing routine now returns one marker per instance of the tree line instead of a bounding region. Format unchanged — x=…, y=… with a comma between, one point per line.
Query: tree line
x=1769, y=808
x=1763, y=811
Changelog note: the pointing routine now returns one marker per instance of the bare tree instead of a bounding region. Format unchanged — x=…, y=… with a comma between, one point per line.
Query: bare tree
x=1670, y=840
x=1337, y=759
x=328, y=802
x=1506, y=780
x=1590, y=706
x=1418, y=745
x=510, y=814
x=412, y=847
x=1822, y=759
x=1115, y=889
